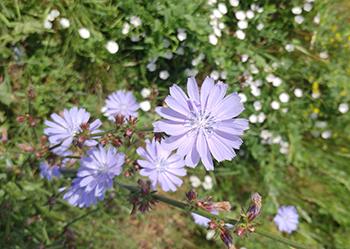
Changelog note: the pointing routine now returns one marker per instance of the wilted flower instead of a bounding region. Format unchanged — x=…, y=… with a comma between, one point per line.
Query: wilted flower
x=120, y=102
x=287, y=219
x=203, y=123
x=161, y=165
x=72, y=127
x=95, y=176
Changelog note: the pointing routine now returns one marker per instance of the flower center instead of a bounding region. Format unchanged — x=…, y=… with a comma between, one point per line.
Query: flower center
x=161, y=166
x=199, y=122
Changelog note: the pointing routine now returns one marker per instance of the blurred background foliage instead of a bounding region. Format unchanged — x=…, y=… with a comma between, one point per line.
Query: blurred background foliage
x=63, y=70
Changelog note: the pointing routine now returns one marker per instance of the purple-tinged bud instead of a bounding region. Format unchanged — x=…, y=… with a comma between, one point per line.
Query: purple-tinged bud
x=128, y=132
x=119, y=119
x=191, y=195
x=4, y=137
x=132, y=120
x=226, y=237
x=31, y=93
x=26, y=147
x=255, y=207
x=222, y=206
x=21, y=118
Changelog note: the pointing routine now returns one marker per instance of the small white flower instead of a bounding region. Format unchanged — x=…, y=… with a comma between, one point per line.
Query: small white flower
x=261, y=117
x=135, y=38
x=164, y=74
x=343, y=108
x=181, y=34
x=240, y=34
x=213, y=39
x=277, y=82
x=126, y=28
x=151, y=66
x=135, y=21
x=53, y=15
x=317, y=19
x=307, y=7
x=265, y=134
x=223, y=75
x=254, y=69
x=243, y=97
x=284, y=97
x=299, y=19
x=145, y=92
x=180, y=51
x=285, y=110
x=195, y=181
x=297, y=10
x=240, y=15
x=326, y=134
x=217, y=14
x=47, y=24
x=191, y=72
x=212, y=2
x=298, y=92
x=275, y=105
x=276, y=139
x=221, y=25
x=257, y=105
x=65, y=23
x=217, y=31
x=250, y=14
x=324, y=55
x=254, y=7
x=208, y=179
x=242, y=24
x=255, y=91
x=244, y=58
x=112, y=47
x=253, y=118
x=270, y=78
x=168, y=55
x=260, y=10
x=284, y=150
x=289, y=47
x=222, y=8
x=260, y=26
x=215, y=75
x=234, y=3
x=145, y=105
x=84, y=33
x=207, y=185
x=316, y=95
x=321, y=124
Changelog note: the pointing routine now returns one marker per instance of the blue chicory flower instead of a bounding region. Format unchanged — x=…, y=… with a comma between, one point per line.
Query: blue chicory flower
x=287, y=219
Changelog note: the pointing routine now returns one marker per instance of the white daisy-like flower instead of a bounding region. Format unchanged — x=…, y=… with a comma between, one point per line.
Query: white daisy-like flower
x=289, y=47
x=298, y=92
x=284, y=97
x=222, y=8
x=250, y=14
x=261, y=117
x=343, y=108
x=65, y=23
x=240, y=34
x=297, y=10
x=260, y=26
x=326, y=134
x=215, y=75
x=195, y=181
x=213, y=39
x=112, y=47
x=181, y=34
x=240, y=15
x=275, y=105
x=253, y=118
x=145, y=105
x=299, y=19
x=145, y=92
x=243, y=97
x=243, y=24
x=234, y=3
x=84, y=33
x=135, y=21
x=126, y=28
x=244, y=58
x=164, y=74
x=257, y=105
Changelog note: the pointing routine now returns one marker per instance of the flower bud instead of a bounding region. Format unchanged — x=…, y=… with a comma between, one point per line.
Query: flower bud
x=191, y=195
x=21, y=118
x=255, y=207
x=222, y=206
x=226, y=237
x=26, y=147
x=119, y=119
x=128, y=132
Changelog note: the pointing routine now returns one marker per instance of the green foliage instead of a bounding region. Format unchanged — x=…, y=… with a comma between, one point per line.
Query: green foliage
x=65, y=70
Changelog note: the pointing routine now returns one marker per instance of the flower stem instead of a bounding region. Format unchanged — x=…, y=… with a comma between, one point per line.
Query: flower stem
x=186, y=207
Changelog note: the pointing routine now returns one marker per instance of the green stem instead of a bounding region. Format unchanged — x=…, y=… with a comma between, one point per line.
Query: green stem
x=281, y=240
x=186, y=207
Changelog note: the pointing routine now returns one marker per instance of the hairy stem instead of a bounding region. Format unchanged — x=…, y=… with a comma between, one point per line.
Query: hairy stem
x=186, y=207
